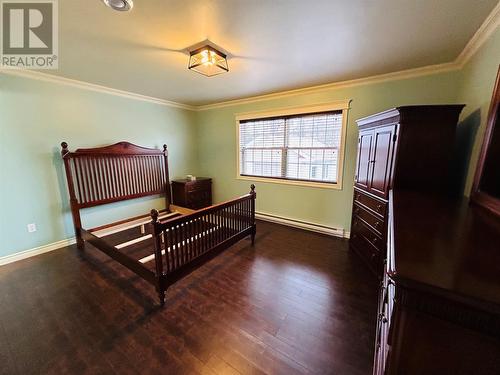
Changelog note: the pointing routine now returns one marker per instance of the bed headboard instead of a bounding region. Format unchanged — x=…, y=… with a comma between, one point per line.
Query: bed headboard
x=114, y=173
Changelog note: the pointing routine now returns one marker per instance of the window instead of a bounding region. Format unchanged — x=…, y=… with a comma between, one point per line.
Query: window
x=292, y=148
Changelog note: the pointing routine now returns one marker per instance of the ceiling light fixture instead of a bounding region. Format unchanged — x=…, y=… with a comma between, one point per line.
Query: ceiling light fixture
x=208, y=61
x=120, y=5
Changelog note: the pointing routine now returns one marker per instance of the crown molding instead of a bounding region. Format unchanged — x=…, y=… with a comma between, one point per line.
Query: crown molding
x=403, y=74
x=490, y=24
x=39, y=76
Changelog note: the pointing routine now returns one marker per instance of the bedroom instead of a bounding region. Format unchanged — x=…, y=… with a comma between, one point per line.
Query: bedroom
x=311, y=78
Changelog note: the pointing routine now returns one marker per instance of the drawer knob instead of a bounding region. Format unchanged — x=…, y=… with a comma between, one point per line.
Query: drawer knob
x=379, y=207
x=377, y=224
x=375, y=240
x=356, y=210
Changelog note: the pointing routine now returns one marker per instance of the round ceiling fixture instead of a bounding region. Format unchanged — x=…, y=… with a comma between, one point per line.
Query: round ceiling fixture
x=120, y=5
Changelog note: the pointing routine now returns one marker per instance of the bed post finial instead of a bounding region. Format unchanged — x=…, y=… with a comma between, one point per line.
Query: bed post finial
x=165, y=148
x=154, y=215
x=64, y=148
x=252, y=189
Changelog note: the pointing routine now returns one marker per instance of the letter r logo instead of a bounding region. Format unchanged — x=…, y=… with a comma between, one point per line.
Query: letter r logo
x=27, y=28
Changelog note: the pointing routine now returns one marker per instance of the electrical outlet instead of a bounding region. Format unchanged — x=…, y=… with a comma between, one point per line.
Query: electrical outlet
x=31, y=227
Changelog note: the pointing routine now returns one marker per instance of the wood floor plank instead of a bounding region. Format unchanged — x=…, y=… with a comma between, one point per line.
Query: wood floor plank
x=296, y=303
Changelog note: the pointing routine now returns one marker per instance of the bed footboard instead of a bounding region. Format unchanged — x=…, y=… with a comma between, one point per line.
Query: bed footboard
x=184, y=243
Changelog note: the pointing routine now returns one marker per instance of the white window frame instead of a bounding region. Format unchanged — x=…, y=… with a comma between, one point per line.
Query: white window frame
x=341, y=105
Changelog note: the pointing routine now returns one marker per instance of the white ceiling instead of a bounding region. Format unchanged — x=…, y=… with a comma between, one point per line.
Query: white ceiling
x=273, y=45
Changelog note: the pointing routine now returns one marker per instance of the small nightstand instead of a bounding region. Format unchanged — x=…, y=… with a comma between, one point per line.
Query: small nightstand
x=192, y=194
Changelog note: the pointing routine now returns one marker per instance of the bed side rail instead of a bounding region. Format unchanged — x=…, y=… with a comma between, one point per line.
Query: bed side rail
x=185, y=241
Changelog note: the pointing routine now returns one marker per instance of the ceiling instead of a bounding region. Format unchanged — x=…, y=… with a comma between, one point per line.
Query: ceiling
x=273, y=45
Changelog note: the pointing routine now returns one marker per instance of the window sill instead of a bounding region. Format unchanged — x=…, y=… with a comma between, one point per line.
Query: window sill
x=321, y=185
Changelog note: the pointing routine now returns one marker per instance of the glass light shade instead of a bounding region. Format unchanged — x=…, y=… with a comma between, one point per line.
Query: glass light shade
x=208, y=61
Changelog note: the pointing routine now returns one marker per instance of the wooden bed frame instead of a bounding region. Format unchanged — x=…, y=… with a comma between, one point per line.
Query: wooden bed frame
x=177, y=240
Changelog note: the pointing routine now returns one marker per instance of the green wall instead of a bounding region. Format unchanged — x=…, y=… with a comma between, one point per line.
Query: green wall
x=471, y=85
x=217, y=145
x=478, y=80
x=35, y=116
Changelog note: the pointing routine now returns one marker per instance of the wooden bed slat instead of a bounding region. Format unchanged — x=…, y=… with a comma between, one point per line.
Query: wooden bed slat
x=127, y=225
x=134, y=241
x=131, y=264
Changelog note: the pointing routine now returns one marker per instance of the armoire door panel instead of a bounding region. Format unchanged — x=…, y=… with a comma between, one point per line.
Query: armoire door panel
x=363, y=163
x=381, y=161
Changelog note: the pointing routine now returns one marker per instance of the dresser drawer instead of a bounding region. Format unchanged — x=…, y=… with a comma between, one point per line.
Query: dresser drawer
x=374, y=221
x=371, y=236
x=365, y=249
x=377, y=206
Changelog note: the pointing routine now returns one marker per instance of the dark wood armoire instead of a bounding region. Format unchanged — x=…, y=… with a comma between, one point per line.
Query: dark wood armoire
x=437, y=254
x=407, y=147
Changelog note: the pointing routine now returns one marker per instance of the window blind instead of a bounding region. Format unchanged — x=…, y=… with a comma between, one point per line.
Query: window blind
x=299, y=147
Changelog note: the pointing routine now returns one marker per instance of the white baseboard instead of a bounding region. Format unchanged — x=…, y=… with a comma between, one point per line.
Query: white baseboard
x=36, y=251
x=336, y=232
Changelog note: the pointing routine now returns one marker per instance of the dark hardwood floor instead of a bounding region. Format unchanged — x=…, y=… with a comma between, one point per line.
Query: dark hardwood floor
x=296, y=303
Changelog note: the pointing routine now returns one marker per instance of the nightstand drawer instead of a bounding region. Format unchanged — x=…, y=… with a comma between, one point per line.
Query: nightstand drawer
x=198, y=184
x=199, y=198
x=192, y=194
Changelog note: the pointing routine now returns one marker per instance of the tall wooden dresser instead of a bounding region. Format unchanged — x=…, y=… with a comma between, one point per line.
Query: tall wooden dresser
x=405, y=147
x=439, y=299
